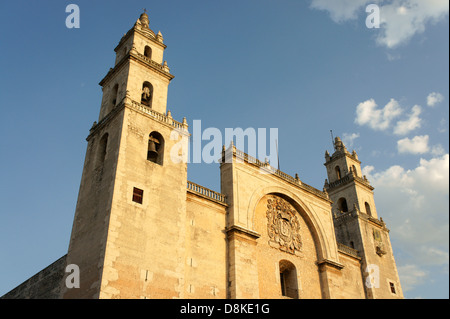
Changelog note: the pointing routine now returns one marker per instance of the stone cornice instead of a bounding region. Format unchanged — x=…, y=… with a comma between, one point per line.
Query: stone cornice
x=347, y=179
x=143, y=60
x=114, y=70
x=140, y=58
x=331, y=263
x=243, y=231
x=166, y=120
x=98, y=126
x=243, y=157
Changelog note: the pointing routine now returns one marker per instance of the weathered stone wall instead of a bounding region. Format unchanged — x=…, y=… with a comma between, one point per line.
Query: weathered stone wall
x=205, y=263
x=44, y=285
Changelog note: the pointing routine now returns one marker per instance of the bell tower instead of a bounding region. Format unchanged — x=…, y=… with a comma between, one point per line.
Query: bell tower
x=133, y=187
x=357, y=224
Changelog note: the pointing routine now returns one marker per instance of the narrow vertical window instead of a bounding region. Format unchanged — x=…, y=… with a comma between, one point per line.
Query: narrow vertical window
x=392, y=287
x=342, y=205
x=138, y=195
x=114, y=95
x=101, y=151
x=368, y=212
x=338, y=172
x=354, y=170
x=148, y=52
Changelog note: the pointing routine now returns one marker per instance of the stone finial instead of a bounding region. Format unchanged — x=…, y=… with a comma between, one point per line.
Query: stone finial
x=159, y=37
x=166, y=67
x=184, y=123
x=327, y=156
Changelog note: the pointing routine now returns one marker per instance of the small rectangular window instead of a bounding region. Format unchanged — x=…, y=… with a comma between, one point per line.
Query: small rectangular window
x=392, y=286
x=138, y=195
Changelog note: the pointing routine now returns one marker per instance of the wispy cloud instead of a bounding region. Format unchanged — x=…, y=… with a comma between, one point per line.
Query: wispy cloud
x=434, y=98
x=400, y=20
x=411, y=276
x=349, y=138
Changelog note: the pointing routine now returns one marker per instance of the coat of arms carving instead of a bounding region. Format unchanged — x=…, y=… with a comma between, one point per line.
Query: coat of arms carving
x=283, y=226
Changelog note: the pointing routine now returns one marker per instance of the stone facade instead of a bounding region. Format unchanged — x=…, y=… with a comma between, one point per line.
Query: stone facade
x=142, y=230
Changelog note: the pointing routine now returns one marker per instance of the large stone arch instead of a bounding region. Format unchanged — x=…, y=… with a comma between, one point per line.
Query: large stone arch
x=323, y=246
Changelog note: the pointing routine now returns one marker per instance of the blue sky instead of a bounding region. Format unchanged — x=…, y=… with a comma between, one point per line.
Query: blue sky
x=304, y=67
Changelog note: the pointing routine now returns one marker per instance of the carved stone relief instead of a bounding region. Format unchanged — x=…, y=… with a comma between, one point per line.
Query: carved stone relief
x=283, y=226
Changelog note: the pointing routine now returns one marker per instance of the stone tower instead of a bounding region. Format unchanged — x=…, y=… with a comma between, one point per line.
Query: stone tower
x=132, y=192
x=357, y=224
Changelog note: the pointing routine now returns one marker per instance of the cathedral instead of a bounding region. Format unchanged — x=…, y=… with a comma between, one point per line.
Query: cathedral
x=141, y=230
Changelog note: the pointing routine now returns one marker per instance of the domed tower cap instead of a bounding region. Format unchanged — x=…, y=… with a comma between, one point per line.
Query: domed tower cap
x=144, y=19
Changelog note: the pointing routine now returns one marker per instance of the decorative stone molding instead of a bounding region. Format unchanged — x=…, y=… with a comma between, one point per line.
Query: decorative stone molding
x=236, y=229
x=283, y=226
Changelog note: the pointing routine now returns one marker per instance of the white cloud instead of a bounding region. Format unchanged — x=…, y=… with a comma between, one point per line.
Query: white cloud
x=348, y=139
x=400, y=20
x=434, y=98
x=417, y=145
x=410, y=124
x=414, y=204
x=368, y=113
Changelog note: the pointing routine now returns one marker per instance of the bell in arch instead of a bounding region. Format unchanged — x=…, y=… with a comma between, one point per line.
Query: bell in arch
x=155, y=149
x=152, y=152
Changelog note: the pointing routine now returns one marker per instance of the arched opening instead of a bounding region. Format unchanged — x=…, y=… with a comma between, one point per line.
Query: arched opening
x=155, y=150
x=342, y=205
x=147, y=94
x=338, y=172
x=368, y=212
x=288, y=279
x=101, y=151
x=148, y=52
x=354, y=170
